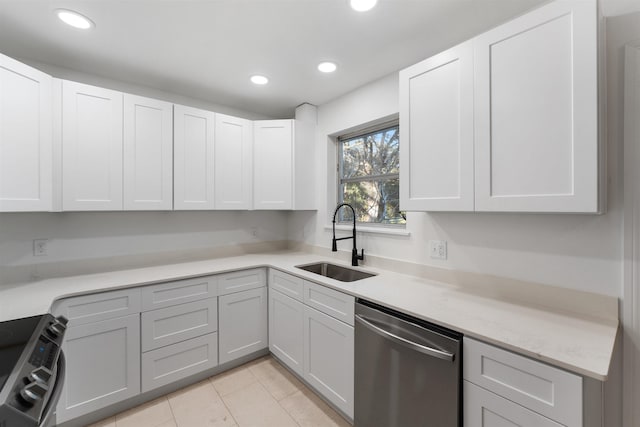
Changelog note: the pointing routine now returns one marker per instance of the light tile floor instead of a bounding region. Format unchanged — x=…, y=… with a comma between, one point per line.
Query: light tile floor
x=260, y=393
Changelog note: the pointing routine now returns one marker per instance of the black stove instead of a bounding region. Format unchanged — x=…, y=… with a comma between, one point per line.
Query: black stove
x=31, y=369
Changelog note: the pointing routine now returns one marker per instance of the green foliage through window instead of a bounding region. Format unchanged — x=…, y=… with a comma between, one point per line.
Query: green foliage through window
x=368, y=176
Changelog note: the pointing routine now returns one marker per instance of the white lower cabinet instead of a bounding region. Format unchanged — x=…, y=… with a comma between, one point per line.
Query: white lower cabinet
x=286, y=337
x=328, y=358
x=173, y=362
x=243, y=323
x=502, y=388
x=103, y=365
x=483, y=408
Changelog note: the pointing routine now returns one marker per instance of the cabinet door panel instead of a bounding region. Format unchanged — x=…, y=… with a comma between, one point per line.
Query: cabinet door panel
x=436, y=118
x=25, y=138
x=273, y=164
x=97, y=307
x=174, y=362
x=328, y=358
x=103, y=365
x=170, y=325
x=547, y=390
x=91, y=148
x=193, y=158
x=536, y=122
x=243, y=323
x=287, y=284
x=485, y=409
x=243, y=280
x=286, y=337
x=233, y=162
x=148, y=154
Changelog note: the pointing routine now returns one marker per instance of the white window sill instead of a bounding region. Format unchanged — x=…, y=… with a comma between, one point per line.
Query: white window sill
x=371, y=230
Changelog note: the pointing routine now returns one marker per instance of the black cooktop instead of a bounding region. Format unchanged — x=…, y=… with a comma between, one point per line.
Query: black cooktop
x=14, y=335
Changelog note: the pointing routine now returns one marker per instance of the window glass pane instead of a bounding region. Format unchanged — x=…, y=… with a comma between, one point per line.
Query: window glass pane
x=375, y=201
x=372, y=154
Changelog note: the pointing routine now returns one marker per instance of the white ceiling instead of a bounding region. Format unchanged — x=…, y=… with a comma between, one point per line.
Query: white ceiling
x=208, y=49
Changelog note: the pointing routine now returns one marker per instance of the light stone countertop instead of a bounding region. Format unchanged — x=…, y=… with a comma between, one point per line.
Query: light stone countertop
x=576, y=342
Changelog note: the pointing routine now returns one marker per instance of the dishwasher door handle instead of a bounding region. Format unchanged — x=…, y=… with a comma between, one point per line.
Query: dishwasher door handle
x=429, y=351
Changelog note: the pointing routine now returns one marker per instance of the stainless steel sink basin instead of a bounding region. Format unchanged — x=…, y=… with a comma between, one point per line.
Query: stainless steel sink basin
x=336, y=272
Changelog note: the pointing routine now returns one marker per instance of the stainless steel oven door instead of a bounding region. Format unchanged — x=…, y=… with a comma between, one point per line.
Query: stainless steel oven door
x=48, y=418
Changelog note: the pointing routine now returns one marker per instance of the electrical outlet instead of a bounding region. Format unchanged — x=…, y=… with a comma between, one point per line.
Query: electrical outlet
x=40, y=247
x=438, y=249
x=254, y=231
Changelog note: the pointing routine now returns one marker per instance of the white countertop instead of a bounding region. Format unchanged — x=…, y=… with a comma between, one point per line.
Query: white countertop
x=578, y=343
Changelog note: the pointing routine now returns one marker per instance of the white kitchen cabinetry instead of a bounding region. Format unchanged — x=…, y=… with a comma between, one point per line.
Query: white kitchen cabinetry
x=242, y=308
x=286, y=336
x=102, y=350
x=91, y=148
x=243, y=323
x=283, y=164
x=148, y=154
x=536, y=111
x=193, y=158
x=328, y=358
x=500, y=385
x=485, y=409
x=273, y=164
x=323, y=319
x=436, y=99
x=530, y=143
x=25, y=138
x=233, y=163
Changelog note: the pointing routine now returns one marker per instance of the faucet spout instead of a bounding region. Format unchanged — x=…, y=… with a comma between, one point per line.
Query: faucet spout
x=334, y=246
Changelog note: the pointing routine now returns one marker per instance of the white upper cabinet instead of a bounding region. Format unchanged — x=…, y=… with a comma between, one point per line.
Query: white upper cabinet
x=25, y=138
x=436, y=100
x=148, y=154
x=193, y=162
x=536, y=112
x=233, y=162
x=91, y=148
x=508, y=121
x=273, y=164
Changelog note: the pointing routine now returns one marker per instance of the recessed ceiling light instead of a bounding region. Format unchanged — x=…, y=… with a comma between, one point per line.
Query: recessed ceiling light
x=363, y=5
x=74, y=19
x=259, y=80
x=327, y=67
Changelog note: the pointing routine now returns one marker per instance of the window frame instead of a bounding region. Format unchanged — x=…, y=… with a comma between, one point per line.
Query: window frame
x=340, y=181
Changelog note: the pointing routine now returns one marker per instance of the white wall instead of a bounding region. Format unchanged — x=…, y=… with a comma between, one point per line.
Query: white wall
x=94, y=241
x=573, y=251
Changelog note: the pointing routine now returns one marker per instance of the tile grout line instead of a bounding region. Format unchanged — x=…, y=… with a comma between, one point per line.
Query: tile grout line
x=235, y=421
x=175, y=420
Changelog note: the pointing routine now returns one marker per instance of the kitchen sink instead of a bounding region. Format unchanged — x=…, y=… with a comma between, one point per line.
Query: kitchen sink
x=336, y=272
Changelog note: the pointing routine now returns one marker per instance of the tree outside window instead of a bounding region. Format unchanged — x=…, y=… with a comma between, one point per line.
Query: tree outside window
x=369, y=176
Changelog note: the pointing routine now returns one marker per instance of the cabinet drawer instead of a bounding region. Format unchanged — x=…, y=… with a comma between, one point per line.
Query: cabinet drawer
x=178, y=323
x=178, y=292
x=549, y=391
x=286, y=284
x=241, y=281
x=97, y=307
x=171, y=363
x=485, y=409
x=331, y=302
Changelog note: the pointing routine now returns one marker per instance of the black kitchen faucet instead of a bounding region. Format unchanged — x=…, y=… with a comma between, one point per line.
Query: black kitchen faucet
x=334, y=247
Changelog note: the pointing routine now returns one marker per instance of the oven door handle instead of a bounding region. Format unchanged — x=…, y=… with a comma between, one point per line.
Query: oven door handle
x=57, y=391
x=429, y=351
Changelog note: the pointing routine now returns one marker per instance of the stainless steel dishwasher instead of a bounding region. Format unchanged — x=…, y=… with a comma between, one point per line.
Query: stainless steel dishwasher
x=407, y=371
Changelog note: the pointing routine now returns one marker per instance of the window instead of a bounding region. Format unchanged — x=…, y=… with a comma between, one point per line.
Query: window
x=368, y=168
